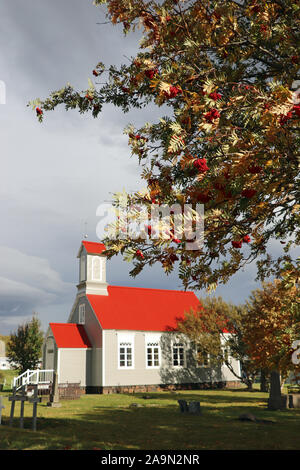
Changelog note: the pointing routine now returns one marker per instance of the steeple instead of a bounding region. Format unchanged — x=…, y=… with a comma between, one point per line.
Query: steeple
x=92, y=269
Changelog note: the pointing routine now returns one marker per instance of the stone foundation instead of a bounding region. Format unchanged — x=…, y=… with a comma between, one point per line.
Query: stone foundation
x=160, y=388
x=70, y=391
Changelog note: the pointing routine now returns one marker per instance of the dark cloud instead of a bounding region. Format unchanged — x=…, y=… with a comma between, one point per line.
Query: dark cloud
x=56, y=174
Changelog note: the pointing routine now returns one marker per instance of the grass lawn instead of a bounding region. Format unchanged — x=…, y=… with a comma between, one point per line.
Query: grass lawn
x=106, y=422
x=8, y=376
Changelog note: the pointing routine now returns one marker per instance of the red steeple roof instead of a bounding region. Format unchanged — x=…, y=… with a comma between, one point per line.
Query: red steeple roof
x=93, y=247
x=135, y=308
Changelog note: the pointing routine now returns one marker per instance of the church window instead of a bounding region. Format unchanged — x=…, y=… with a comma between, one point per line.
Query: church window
x=125, y=351
x=153, y=354
x=178, y=355
x=97, y=269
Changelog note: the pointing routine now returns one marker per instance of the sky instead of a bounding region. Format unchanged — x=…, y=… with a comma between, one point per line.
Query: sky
x=54, y=175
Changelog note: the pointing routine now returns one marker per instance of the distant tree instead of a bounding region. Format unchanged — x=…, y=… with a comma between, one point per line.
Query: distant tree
x=209, y=328
x=273, y=324
x=25, y=346
x=4, y=338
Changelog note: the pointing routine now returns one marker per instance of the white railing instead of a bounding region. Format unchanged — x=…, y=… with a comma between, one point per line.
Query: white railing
x=37, y=376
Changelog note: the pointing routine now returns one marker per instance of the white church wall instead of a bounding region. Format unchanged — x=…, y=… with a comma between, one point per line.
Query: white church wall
x=75, y=366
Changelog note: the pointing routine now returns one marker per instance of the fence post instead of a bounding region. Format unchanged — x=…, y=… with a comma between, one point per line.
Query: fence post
x=1, y=407
x=12, y=409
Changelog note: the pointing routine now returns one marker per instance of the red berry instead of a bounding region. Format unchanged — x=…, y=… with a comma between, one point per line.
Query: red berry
x=39, y=111
x=236, y=244
x=139, y=254
x=296, y=108
x=215, y=96
x=254, y=169
x=211, y=115
x=173, y=92
x=203, y=198
x=151, y=73
x=249, y=193
x=95, y=73
x=284, y=118
x=246, y=239
x=200, y=164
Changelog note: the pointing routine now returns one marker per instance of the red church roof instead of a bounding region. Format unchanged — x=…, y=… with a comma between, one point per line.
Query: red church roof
x=94, y=247
x=70, y=335
x=136, y=308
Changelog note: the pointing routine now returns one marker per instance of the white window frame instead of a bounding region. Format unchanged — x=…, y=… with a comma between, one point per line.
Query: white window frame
x=152, y=346
x=125, y=341
x=152, y=340
x=100, y=260
x=81, y=314
x=179, y=344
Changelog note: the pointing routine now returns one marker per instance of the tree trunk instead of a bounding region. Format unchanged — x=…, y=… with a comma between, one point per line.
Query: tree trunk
x=264, y=385
x=249, y=384
x=276, y=400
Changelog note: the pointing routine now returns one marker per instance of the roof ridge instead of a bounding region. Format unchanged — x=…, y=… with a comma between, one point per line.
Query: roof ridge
x=97, y=243
x=153, y=288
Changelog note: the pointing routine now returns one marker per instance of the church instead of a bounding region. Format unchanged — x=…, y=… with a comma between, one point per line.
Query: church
x=124, y=338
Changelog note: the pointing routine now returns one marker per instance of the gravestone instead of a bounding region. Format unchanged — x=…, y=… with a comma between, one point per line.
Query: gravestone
x=192, y=408
x=276, y=400
x=183, y=406
x=54, y=397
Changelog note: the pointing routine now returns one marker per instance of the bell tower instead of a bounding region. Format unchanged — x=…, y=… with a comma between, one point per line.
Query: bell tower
x=92, y=269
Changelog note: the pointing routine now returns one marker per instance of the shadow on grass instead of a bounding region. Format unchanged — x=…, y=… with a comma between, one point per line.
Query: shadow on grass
x=207, y=396
x=155, y=425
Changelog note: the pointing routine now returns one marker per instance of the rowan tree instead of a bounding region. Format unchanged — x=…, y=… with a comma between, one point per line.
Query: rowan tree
x=225, y=74
x=24, y=346
x=273, y=324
